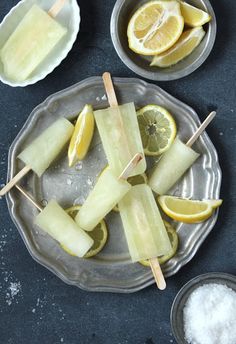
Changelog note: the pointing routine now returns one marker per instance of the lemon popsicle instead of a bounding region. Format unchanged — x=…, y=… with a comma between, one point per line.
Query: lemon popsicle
x=172, y=166
x=106, y=194
x=46, y=147
x=33, y=39
x=120, y=135
x=60, y=226
x=145, y=231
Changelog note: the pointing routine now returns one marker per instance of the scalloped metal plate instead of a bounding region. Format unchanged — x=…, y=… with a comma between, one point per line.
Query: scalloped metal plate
x=111, y=270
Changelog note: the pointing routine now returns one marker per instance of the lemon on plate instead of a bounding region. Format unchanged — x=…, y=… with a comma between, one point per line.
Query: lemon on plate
x=82, y=135
x=99, y=234
x=193, y=16
x=174, y=239
x=188, y=41
x=155, y=27
x=157, y=129
x=186, y=210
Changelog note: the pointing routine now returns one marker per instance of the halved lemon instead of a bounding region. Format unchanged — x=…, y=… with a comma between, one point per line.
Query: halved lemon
x=157, y=129
x=193, y=16
x=82, y=136
x=188, y=41
x=99, y=234
x=174, y=239
x=155, y=27
x=188, y=211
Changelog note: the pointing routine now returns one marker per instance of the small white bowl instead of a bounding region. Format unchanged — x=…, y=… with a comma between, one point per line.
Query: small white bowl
x=69, y=17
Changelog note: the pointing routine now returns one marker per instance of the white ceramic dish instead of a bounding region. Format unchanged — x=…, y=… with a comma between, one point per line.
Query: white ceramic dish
x=69, y=17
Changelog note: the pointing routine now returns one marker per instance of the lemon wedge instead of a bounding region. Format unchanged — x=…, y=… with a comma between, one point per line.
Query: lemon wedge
x=188, y=211
x=188, y=41
x=193, y=16
x=99, y=234
x=157, y=128
x=82, y=136
x=174, y=239
x=155, y=27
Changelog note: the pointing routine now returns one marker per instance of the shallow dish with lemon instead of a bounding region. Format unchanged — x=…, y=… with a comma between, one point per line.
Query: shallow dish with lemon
x=163, y=40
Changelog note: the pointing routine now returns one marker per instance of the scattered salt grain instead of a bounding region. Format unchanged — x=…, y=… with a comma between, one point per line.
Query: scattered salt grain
x=89, y=181
x=14, y=289
x=104, y=97
x=210, y=315
x=221, y=134
x=79, y=166
x=97, y=99
x=69, y=181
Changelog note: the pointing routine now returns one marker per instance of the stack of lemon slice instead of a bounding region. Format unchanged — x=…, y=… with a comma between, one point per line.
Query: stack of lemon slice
x=157, y=29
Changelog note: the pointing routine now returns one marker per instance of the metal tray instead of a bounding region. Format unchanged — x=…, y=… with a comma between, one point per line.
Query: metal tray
x=112, y=269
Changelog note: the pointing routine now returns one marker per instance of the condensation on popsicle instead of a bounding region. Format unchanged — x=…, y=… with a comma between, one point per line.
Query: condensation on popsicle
x=33, y=39
x=46, y=147
x=106, y=194
x=60, y=226
x=145, y=231
x=172, y=166
x=120, y=135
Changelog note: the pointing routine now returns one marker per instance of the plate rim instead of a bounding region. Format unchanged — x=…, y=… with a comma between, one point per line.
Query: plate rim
x=18, y=223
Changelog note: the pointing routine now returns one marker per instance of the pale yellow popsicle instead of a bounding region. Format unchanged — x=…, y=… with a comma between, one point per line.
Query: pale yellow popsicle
x=120, y=135
x=60, y=226
x=46, y=147
x=33, y=39
x=107, y=192
x=172, y=166
x=145, y=231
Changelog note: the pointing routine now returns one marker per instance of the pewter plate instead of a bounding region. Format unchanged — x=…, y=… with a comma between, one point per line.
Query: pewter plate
x=112, y=269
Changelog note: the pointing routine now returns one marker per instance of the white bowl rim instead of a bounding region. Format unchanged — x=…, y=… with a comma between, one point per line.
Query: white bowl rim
x=57, y=62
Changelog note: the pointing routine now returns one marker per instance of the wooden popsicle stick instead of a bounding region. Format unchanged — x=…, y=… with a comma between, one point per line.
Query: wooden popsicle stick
x=29, y=197
x=56, y=8
x=131, y=165
x=157, y=273
x=14, y=180
x=111, y=95
x=201, y=129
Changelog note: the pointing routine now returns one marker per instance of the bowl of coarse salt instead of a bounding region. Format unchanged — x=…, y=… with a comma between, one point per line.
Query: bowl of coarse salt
x=204, y=310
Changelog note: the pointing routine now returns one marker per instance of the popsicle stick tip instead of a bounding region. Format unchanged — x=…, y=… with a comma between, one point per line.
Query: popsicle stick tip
x=108, y=84
x=56, y=8
x=14, y=180
x=202, y=127
x=131, y=165
x=157, y=273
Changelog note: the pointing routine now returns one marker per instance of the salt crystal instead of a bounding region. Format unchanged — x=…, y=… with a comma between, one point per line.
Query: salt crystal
x=104, y=97
x=89, y=181
x=79, y=166
x=97, y=99
x=210, y=316
x=69, y=181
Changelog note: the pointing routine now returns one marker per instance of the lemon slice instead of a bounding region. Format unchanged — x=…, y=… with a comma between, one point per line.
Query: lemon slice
x=193, y=16
x=188, y=211
x=174, y=239
x=157, y=129
x=188, y=41
x=82, y=136
x=155, y=27
x=99, y=234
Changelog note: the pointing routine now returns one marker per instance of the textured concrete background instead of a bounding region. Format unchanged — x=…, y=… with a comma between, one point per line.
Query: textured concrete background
x=42, y=309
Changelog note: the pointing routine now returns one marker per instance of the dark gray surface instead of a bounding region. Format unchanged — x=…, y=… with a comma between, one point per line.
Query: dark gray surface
x=47, y=311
